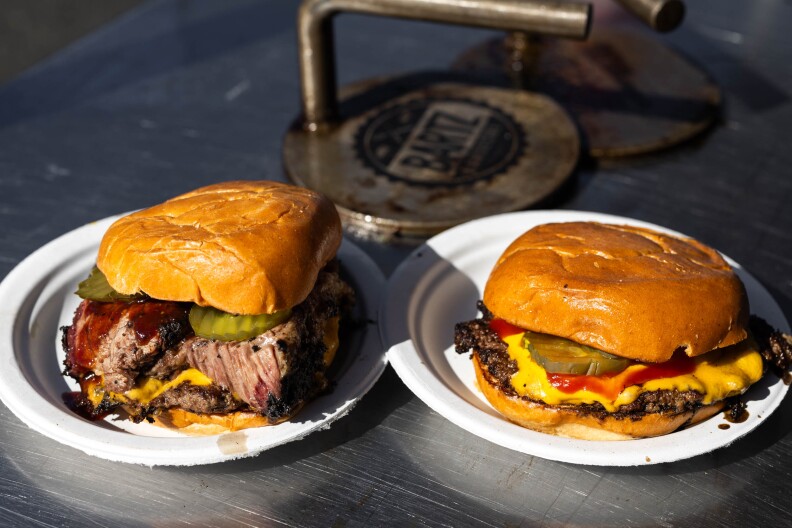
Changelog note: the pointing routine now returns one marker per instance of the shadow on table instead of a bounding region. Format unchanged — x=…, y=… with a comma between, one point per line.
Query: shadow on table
x=430, y=297
x=77, y=76
x=387, y=395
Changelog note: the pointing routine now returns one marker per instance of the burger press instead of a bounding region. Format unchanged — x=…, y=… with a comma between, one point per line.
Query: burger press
x=629, y=93
x=405, y=158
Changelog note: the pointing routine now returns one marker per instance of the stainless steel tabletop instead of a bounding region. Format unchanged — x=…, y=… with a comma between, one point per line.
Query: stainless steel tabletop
x=178, y=94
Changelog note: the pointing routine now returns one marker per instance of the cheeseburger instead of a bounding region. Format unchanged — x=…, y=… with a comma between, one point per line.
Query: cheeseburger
x=214, y=311
x=607, y=332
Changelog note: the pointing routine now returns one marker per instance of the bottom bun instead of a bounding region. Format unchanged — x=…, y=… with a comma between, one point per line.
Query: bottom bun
x=196, y=424
x=563, y=421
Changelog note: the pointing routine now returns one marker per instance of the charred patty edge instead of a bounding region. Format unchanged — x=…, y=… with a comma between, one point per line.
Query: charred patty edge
x=774, y=346
x=498, y=368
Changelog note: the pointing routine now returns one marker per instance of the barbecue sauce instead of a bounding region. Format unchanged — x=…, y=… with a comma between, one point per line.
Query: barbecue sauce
x=145, y=318
x=148, y=317
x=736, y=412
x=92, y=322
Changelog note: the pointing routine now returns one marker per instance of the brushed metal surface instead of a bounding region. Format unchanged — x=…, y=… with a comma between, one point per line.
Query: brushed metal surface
x=628, y=91
x=180, y=94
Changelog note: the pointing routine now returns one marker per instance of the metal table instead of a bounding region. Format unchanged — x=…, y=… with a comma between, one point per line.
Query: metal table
x=178, y=94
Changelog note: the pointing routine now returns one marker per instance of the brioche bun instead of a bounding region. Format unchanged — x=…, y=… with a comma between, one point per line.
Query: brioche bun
x=195, y=424
x=244, y=247
x=566, y=421
x=630, y=291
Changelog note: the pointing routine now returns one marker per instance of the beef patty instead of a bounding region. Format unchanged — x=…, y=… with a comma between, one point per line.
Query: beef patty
x=499, y=367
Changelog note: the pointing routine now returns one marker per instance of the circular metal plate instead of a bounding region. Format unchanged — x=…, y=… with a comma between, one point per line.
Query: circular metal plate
x=412, y=157
x=630, y=93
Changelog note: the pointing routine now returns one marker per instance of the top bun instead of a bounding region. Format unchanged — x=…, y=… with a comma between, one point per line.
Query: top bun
x=244, y=247
x=626, y=290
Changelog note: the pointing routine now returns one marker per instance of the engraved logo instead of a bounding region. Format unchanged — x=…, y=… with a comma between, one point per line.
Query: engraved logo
x=440, y=142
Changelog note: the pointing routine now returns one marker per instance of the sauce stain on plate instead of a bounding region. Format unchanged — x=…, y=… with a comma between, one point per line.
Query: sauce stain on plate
x=233, y=443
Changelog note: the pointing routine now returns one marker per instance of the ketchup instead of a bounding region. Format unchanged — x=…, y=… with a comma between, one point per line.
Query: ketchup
x=504, y=329
x=611, y=385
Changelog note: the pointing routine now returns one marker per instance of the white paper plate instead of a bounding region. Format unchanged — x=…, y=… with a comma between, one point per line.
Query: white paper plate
x=37, y=298
x=438, y=285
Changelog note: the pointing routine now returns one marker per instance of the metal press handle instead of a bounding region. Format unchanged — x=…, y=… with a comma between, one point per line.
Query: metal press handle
x=661, y=15
x=315, y=33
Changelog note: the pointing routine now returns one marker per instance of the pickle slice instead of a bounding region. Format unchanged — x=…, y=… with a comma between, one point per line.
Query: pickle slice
x=211, y=323
x=96, y=288
x=562, y=356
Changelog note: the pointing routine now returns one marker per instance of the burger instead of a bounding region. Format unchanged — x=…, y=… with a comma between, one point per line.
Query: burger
x=214, y=311
x=610, y=332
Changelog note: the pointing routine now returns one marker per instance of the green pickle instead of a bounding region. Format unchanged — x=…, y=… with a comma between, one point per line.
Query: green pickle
x=562, y=356
x=212, y=323
x=96, y=288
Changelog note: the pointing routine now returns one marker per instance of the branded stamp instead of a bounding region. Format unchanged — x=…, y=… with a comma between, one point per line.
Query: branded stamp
x=440, y=142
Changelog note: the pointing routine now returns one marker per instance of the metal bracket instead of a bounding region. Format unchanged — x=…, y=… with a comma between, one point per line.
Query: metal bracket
x=316, y=47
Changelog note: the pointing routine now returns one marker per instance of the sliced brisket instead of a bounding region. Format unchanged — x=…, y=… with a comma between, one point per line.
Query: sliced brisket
x=272, y=374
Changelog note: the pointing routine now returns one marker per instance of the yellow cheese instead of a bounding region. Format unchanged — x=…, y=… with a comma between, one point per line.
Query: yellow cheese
x=149, y=388
x=94, y=390
x=717, y=375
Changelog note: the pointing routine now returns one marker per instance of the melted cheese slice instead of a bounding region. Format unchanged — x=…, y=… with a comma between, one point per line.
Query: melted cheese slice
x=718, y=375
x=148, y=388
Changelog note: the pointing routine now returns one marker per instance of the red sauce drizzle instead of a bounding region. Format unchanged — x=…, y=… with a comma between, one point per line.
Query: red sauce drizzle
x=504, y=329
x=611, y=385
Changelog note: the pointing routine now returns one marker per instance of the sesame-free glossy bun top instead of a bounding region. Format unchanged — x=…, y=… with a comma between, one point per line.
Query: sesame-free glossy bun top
x=626, y=290
x=244, y=247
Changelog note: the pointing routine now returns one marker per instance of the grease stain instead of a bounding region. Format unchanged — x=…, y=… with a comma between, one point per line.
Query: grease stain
x=233, y=443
